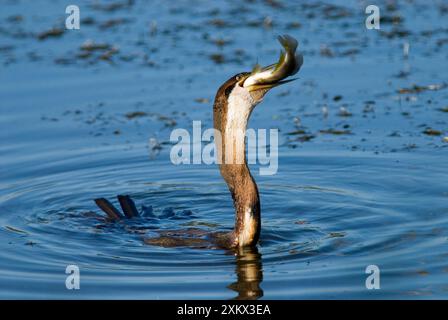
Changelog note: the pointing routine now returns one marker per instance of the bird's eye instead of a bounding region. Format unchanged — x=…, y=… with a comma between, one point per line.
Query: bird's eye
x=239, y=78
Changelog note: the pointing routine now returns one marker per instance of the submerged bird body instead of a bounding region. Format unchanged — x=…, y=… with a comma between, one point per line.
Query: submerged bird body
x=234, y=102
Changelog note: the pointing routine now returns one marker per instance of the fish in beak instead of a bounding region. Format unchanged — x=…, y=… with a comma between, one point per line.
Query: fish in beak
x=273, y=75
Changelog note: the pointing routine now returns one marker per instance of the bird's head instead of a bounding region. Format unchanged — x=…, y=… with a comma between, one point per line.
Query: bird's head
x=252, y=86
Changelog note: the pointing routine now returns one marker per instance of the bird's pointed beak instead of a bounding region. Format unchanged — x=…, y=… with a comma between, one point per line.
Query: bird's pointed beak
x=268, y=86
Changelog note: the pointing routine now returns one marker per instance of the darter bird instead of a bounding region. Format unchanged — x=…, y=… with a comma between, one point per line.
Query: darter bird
x=233, y=105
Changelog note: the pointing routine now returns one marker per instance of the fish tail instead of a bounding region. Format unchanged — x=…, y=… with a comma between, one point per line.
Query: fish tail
x=299, y=62
x=289, y=43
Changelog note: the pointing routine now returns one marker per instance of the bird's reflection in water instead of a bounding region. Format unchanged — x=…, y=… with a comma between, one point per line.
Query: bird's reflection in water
x=249, y=273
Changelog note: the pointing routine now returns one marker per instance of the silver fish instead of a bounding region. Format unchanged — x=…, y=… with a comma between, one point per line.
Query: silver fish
x=288, y=64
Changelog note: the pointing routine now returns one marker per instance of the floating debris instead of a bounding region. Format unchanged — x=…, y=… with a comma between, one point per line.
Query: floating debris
x=268, y=22
x=335, y=131
x=325, y=111
x=325, y=51
x=417, y=89
x=297, y=121
x=84, y=55
x=88, y=21
x=334, y=12
x=52, y=33
x=169, y=122
x=306, y=138
x=135, y=114
x=293, y=25
x=395, y=134
x=113, y=23
x=220, y=42
x=349, y=52
x=368, y=108
x=108, y=54
x=396, y=33
x=392, y=19
x=406, y=46
x=154, y=144
x=336, y=234
x=114, y=6
x=97, y=51
x=442, y=42
x=296, y=132
x=202, y=100
x=274, y=3
x=343, y=112
x=15, y=230
x=432, y=132
x=218, y=58
x=337, y=97
x=90, y=45
x=218, y=23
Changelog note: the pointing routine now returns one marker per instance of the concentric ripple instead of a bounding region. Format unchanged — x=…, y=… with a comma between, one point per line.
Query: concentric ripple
x=327, y=225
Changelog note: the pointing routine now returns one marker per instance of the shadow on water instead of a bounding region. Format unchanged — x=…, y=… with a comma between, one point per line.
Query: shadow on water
x=249, y=274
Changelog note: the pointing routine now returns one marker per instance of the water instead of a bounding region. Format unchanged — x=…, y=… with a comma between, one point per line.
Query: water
x=372, y=190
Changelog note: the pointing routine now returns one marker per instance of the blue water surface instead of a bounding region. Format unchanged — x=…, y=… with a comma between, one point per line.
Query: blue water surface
x=362, y=177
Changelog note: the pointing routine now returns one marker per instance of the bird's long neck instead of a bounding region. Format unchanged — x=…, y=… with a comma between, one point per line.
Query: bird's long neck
x=231, y=114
